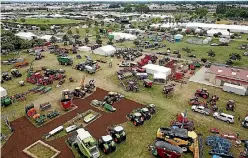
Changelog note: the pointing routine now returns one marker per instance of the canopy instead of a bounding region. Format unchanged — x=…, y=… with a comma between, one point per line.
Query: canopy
x=3, y=92
x=159, y=75
x=152, y=69
x=178, y=36
x=26, y=35
x=120, y=35
x=48, y=38
x=84, y=48
x=105, y=50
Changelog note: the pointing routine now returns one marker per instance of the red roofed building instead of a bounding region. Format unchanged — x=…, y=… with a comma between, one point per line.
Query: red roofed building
x=218, y=75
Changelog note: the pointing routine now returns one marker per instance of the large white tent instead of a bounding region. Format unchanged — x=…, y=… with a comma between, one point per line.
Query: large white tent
x=26, y=35
x=105, y=50
x=159, y=77
x=3, y=92
x=152, y=69
x=168, y=25
x=232, y=28
x=48, y=37
x=216, y=31
x=84, y=48
x=120, y=35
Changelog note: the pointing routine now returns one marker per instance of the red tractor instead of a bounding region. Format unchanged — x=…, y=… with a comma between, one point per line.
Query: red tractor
x=230, y=105
x=203, y=92
x=147, y=83
x=183, y=122
x=194, y=101
x=147, y=59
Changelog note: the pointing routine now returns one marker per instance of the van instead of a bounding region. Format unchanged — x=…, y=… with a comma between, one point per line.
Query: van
x=224, y=117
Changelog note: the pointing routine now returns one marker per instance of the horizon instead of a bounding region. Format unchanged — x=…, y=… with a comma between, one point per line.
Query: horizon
x=123, y=1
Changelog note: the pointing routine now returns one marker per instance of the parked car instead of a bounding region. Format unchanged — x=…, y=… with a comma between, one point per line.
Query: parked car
x=201, y=109
x=224, y=117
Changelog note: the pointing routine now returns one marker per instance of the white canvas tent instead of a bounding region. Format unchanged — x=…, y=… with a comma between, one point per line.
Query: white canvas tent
x=215, y=31
x=84, y=48
x=159, y=77
x=48, y=37
x=3, y=92
x=26, y=35
x=120, y=35
x=105, y=50
x=152, y=69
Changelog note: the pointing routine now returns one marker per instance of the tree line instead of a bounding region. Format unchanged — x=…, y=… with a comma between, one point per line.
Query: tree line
x=231, y=11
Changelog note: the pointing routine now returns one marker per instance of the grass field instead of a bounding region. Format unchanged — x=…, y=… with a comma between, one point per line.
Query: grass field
x=47, y=21
x=41, y=151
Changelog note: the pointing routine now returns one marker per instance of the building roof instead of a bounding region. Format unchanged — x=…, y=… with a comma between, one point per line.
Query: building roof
x=229, y=72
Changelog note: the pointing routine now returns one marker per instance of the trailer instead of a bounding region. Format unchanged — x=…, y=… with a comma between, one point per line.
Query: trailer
x=54, y=131
x=231, y=88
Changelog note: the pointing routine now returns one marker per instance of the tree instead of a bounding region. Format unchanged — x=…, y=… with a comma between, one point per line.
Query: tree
x=23, y=20
x=69, y=32
x=77, y=30
x=53, y=39
x=201, y=12
x=25, y=44
x=65, y=38
x=128, y=9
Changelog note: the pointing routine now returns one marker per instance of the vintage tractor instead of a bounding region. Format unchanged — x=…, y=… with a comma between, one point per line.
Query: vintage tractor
x=147, y=83
x=164, y=149
x=6, y=101
x=183, y=122
x=52, y=114
x=6, y=77
x=214, y=98
x=203, y=92
x=45, y=106
x=132, y=86
x=15, y=73
x=112, y=97
x=136, y=118
x=168, y=88
x=77, y=92
x=39, y=119
x=117, y=133
x=146, y=115
x=84, y=143
x=107, y=144
x=194, y=101
x=230, y=105
x=21, y=62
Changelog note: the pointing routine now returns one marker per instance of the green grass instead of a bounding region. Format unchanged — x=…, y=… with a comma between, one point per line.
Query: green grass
x=41, y=151
x=47, y=21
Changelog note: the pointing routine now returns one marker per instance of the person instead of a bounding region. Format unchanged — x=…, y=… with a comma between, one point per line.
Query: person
x=237, y=134
x=110, y=63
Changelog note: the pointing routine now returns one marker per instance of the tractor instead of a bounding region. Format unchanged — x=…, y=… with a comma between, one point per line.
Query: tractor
x=117, y=133
x=84, y=143
x=78, y=93
x=168, y=88
x=151, y=108
x=112, y=97
x=6, y=101
x=107, y=144
x=203, y=92
x=194, y=101
x=136, y=118
x=214, y=98
x=132, y=86
x=6, y=77
x=183, y=122
x=230, y=105
x=147, y=83
x=15, y=73
x=146, y=115
x=164, y=149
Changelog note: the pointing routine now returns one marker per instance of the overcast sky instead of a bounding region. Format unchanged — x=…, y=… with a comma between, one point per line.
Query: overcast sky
x=115, y=0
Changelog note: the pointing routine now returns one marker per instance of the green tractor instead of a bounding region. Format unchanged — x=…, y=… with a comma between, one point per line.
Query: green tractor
x=117, y=133
x=6, y=101
x=84, y=143
x=107, y=144
x=65, y=60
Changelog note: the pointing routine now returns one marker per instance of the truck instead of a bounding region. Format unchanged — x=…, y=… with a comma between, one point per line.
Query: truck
x=65, y=60
x=231, y=88
x=84, y=143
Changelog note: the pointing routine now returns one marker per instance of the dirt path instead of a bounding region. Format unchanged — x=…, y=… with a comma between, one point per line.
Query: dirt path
x=26, y=133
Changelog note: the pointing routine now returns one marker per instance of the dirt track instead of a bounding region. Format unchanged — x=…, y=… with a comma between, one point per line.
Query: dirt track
x=26, y=133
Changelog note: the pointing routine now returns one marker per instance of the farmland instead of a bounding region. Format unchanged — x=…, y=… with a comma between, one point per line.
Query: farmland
x=46, y=21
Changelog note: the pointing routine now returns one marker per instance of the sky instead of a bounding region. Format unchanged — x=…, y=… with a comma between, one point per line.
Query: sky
x=115, y=0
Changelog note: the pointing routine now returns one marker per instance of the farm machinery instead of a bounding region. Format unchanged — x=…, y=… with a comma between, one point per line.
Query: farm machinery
x=6, y=76
x=117, y=133
x=147, y=83
x=245, y=122
x=136, y=118
x=244, y=154
x=186, y=140
x=203, y=92
x=230, y=105
x=164, y=149
x=148, y=59
x=84, y=143
x=89, y=66
x=168, y=89
x=220, y=146
x=6, y=101
x=20, y=62
x=183, y=122
x=107, y=144
x=66, y=100
x=131, y=85
x=103, y=104
x=112, y=97
x=78, y=92
x=65, y=60
x=15, y=73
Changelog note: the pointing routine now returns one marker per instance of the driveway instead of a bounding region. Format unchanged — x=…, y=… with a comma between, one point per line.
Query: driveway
x=199, y=77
